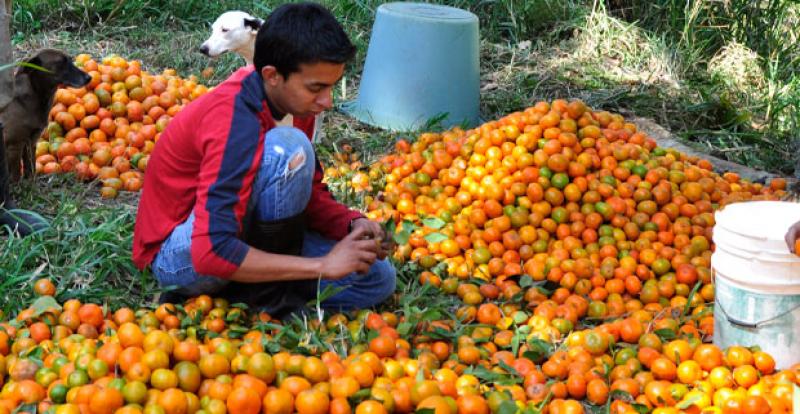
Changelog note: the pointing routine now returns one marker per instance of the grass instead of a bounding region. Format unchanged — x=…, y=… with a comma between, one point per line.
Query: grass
x=85, y=250
x=720, y=75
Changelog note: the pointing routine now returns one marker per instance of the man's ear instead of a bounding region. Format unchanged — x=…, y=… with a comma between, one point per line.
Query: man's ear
x=271, y=75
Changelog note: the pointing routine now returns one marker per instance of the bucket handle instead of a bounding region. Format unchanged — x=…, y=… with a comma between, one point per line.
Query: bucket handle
x=750, y=325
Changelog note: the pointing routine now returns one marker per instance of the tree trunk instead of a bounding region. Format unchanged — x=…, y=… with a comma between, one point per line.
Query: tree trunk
x=6, y=56
x=5, y=197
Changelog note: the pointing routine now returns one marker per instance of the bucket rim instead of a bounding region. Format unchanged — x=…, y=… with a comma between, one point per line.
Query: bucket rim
x=441, y=12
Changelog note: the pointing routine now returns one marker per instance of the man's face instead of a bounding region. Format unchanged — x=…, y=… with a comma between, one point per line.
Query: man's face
x=306, y=92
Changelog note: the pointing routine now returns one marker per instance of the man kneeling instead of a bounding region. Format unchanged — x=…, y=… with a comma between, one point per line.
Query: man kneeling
x=234, y=206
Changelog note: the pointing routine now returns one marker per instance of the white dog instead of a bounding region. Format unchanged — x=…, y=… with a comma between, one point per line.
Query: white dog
x=233, y=31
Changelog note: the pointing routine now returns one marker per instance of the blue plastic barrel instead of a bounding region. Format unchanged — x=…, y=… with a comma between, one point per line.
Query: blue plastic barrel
x=422, y=63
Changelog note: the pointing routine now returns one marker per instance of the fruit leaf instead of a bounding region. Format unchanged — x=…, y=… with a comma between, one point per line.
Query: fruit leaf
x=425, y=411
x=439, y=333
x=433, y=222
x=594, y=409
x=404, y=328
x=326, y=293
x=435, y=237
x=389, y=226
x=688, y=305
x=431, y=315
x=515, y=341
x=508, y=368
x=402, y=236
x=507, y=407
x=35, y=354
x=688, y=402
x=525, y=281
x=490, y=377
x=25, y=408
x=537, y=351
x=359, y=396
x=665, y=334
x=43, y=304
x=621, y=395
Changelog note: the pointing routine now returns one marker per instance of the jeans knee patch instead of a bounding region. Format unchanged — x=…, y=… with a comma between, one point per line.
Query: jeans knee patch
x=297, y=160
x=296, y=163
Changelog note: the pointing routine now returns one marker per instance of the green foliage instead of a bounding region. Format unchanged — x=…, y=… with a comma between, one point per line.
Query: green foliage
x=763, y=118
x=86, y=251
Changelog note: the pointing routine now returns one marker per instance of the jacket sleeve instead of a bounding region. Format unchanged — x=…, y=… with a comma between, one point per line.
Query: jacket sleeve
x=231, y=148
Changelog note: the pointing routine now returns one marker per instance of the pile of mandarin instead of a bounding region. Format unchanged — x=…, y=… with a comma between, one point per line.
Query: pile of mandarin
x=553, y=261
x=107, y=129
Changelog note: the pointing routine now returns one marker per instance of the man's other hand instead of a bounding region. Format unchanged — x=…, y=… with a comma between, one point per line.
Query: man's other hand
x=354, y=253
x=792, y=235
x=374, y=231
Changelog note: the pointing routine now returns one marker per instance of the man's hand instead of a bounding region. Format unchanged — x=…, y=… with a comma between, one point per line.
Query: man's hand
x=375, y=232
x=792, y=235
x=354, y=253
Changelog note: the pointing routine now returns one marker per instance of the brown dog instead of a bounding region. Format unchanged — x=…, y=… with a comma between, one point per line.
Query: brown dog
x=26, y=115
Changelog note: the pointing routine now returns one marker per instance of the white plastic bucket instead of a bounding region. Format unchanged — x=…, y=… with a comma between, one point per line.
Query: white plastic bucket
x=757, y=279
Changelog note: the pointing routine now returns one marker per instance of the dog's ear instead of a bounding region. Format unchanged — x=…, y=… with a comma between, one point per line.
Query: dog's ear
x=254, y=24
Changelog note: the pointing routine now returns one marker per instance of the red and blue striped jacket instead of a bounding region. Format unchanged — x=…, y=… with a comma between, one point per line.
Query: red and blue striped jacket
x=206, y=161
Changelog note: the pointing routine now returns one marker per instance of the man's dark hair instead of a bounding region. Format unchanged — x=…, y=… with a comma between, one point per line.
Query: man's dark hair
x=301, y=33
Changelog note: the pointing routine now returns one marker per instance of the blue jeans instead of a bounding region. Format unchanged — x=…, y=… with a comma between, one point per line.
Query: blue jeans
x=282, y=189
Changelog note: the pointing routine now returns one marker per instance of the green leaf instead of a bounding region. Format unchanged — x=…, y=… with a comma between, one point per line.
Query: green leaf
x=390, y=226
x=491, y=377
x=537, y=351
x=26, y=408
x=35, y=354
x=621, y=395
x=594, y=409
x=687, y=307
x=665, y=334
x=404, y=328
x=359, y=396
x=433, y=222
x=431, y=315
x=435, y=237
x=525, y=281
x=402, y=236
x=533, y=356
x=515, y=340
x=372, y=334
x=43, y=304
x=420, y=376
x=507, y=407
x=439, y=333
x=508, y=368
x=328, y=292
x=688, y=402
x=425, y=411
x=24, y=64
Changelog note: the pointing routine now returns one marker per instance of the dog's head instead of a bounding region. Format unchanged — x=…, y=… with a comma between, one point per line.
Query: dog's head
x=59, y=68
x=233, y=30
